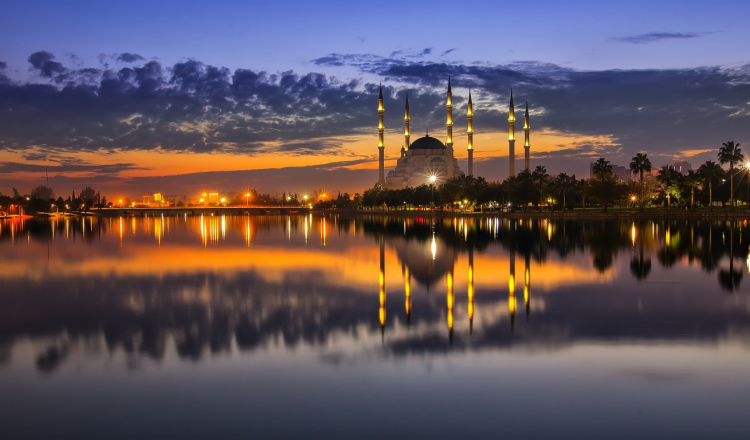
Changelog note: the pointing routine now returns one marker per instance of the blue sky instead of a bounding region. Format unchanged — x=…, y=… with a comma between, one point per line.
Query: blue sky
x=647, y=72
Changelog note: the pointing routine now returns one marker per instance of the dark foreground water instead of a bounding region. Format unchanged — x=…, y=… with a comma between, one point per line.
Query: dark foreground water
x=369, y=327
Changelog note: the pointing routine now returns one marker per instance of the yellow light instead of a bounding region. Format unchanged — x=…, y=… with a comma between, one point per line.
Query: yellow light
x=305, y=197
x=632, y=198
x=288, y=198
x=223, y=200
x=247, y=194
x=201, y=200
x=433, y=178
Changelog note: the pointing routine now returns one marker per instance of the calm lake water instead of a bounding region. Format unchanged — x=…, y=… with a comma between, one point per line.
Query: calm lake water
x=372, y=327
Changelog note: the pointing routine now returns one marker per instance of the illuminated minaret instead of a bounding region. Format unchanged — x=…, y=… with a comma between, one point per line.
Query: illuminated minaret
x=449, y=125
x=512, y=136
x=526, y=130
x=381, y=144
x=470, y=136
x=406, y=125
x=449, y=303
x=470, y=291
x=381, y=311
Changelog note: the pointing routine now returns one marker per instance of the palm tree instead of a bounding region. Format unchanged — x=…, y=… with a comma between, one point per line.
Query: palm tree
x=691, y=180
x=666, y=176
x=730, y=153
x=540, y=175
x=709, y=172
x=564, y=185
x=639, y=165
x=601, y=167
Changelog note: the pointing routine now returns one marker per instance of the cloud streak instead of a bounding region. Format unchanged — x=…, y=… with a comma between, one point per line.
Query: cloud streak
x=654, y=37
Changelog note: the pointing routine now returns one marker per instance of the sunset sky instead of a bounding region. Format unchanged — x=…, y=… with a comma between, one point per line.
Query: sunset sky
x=140, y=97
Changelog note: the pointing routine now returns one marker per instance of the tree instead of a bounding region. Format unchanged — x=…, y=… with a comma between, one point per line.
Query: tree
x=689, y=183
x=601, y=167
x=730, y=153
x=540, y=176
x=43, y=192
x=666, y=176
x=710, y=172
x=639, y=165
x=603, y=187
x=563, y=185
x=87, y=195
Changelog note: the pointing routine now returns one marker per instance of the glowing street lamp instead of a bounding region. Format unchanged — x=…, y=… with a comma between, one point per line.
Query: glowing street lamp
x=120, y=202
x=632, y=199
x=247, y=199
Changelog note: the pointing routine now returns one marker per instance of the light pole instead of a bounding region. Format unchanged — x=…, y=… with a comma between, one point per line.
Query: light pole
x=247, y=199
x=433, y=179
x=632, y=199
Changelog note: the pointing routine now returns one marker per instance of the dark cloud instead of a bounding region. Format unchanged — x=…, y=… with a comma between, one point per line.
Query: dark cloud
x=447, y=52
x=653, y=37
x=3, y=65
x=42, y=61
x=15, y=167
x=127, y=57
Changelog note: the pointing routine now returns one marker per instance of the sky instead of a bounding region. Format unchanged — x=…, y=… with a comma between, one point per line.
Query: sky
x=179, y=97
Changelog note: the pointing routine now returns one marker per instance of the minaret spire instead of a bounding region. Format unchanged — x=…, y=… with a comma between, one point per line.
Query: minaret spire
x=470, y=135
x=512, y=136
x=407, y=134
x=449, y=126
x=526, y=130
x=381, y=144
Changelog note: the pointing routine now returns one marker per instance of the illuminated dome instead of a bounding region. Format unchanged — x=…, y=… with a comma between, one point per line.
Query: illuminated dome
x=426, y=143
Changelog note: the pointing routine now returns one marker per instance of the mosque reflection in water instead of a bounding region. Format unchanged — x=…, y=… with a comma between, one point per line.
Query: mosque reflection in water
x=238, y=282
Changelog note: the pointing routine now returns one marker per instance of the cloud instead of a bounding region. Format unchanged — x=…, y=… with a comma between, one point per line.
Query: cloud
x=16, y=167
x=127, y=57
x=653, y=37
x=447, y=52
x=3, y=65
x=42, y=61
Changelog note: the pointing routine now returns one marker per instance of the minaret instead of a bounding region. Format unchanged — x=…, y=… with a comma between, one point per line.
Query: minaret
x=381, y=145
x=526, y=130
x=470, y=136
x=406, y=125
x=512, y=136
x=449, y=127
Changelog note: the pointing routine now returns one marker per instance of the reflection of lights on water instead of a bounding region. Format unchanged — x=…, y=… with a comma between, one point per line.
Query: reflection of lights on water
x=748, y=263
x=248, y=232
x=305, y=229
x=668, y=238
x=632, y=234
x=549, y=231
x=223, y=227
x=433, y=247
x=323, y=232
x=289, y=228
x=512, y=284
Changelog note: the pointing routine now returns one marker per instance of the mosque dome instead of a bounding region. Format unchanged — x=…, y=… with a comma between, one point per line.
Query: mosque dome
x=427, y=143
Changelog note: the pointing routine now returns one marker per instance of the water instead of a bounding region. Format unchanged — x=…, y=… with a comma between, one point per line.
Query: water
x=373, y=327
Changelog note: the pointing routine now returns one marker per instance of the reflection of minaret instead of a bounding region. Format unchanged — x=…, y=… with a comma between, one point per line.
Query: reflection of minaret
x=382, y=287
x=470, y=291
x=512, y=286
x=450, y=300
x=407, y=294
x=512, y=136
x=470, y=136
x=381, y=144
x=527, y=286
x=526, y=144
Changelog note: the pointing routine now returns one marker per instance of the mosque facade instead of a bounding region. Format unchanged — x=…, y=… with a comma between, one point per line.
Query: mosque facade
x=428, y=156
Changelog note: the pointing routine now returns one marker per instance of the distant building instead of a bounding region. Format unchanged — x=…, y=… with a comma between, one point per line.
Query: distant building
x=682, y=167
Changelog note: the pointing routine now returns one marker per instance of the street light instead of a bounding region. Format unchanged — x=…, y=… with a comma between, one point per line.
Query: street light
x=632, y=199
x=247, y=199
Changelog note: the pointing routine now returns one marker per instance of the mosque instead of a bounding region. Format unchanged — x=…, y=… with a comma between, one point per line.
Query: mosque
x=428, y=156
